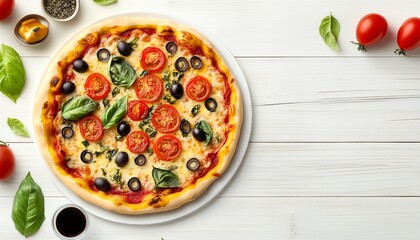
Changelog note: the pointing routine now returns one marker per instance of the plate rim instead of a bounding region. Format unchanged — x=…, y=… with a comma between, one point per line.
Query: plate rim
x=217, y=187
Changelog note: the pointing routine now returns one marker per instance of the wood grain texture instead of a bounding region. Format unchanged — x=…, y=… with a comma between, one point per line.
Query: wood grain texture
x=289, y=169
x=273, y=27
x=335, y=144
x=259, y=218
x=304, y=99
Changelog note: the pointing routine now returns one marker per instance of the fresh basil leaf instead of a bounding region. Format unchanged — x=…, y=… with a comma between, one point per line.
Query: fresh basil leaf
x=12, y=73
x=105, y=2
x=115, y=112
x=28, y=207
x=205, y=126
x=329, y=31
x=17, y=127
x=77, y=107
x=121, y=72
x=165, y=178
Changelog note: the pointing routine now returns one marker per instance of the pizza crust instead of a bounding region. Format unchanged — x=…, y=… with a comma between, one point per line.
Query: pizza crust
x=99, y=198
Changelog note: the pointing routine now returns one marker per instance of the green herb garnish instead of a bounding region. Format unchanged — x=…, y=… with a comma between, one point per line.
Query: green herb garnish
x=85, y=143
x=12, y=73
x=195, y=110
x=28, y=211
x=17, y=127
x=329, y=31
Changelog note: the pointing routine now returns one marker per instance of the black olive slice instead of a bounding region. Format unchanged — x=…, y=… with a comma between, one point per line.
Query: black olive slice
x=199, y=134
x=185, y=126
x=80, y=66
x=193, y=164
x=211, y=104
x=121, y=159
x=68, y=87
x=177, y=91
x=124, y=48
x=102, y=184
x=181, y=64
x=86, y=156
x=103, y=55
x=134, y=184
x=123, y=128
x=67, y=132
x=140, y=160
x=196, y=62
x=171, y=47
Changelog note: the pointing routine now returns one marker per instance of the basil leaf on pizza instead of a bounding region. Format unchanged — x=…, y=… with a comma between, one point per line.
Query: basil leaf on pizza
x=115, y=113
x=148, y=146
x=121, y=72
x=165, y=178
x=205, y=126
x=77, y=107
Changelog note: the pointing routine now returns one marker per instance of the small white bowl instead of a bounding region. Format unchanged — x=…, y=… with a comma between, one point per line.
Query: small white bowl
x=76, y=10
x=41, y=19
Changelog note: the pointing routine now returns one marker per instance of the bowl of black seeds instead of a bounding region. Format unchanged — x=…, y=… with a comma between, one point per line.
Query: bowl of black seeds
x=61, y=10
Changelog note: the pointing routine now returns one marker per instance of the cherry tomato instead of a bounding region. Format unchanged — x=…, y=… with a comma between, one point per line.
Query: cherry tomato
x=166, y=119
x=408, y=36
x=6, y=8
x=137, y=142
x=167, y=147
x=198, y=88
x=152, y=59
x=97, y=86
x=91, y=128
x=371, y=29
x=149, y=88
x=7, y=161
x=137, y=110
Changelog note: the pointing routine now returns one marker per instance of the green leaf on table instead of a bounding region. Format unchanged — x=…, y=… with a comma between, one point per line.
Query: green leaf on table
x=115, y=113
x=17, y=127
x=28, y=211
x=105, y=2
x=77, y=107
x=12, y=73
x=329, y=31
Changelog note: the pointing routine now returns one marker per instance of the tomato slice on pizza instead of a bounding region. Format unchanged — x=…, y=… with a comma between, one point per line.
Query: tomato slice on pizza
x=166, y=119
x=91, y=128
x=167, y=147
x=198, y=88
x=139, y=117
x=153, y=59
x=97, y=86
x=149, y=88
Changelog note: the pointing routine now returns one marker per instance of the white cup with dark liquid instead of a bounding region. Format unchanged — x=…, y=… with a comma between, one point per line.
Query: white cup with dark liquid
x=70, y=222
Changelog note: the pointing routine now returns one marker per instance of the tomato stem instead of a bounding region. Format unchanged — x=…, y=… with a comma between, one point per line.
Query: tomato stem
x=360, y=47
x=399, y=52
x=3, y=143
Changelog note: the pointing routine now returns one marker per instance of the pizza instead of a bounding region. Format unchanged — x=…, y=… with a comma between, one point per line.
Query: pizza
x=138, y=115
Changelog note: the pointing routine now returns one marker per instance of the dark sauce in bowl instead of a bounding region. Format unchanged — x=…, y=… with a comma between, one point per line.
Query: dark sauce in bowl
x=70, y=222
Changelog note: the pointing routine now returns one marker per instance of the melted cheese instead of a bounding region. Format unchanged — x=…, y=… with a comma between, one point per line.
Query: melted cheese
x=102, y=166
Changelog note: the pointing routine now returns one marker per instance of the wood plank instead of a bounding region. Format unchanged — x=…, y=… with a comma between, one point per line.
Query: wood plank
x=289, y=169
x=347, y=99
x=273, y=28
x=251, y=218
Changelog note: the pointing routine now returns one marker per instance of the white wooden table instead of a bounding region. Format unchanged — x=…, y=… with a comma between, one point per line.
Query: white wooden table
x=335, y=146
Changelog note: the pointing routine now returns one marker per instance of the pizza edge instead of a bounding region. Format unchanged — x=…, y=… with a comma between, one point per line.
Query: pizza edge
x=100, y=199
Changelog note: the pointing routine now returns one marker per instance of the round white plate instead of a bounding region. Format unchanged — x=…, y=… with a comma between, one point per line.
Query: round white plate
x=215, y=188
